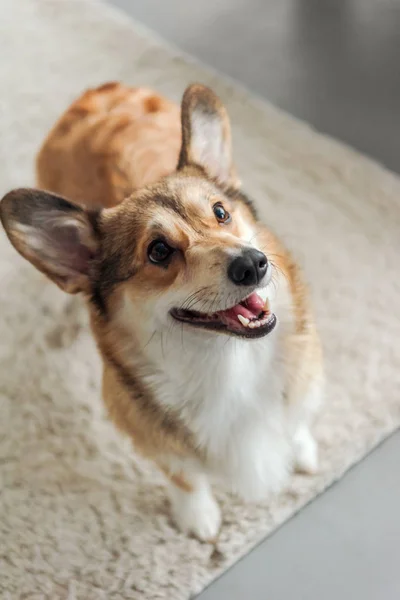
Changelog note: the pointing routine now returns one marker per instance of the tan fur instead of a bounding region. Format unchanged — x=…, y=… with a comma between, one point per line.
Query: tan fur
x=302, y=347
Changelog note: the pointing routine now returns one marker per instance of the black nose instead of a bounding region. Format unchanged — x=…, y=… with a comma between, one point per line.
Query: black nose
x=248, y=268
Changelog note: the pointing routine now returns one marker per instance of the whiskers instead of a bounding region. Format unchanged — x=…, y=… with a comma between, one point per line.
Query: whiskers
x=200, y=296
x=206, y=300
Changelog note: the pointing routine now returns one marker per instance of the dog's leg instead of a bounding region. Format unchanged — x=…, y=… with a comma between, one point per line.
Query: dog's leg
x=193, y=506
x=305, y=450
x=305, y=447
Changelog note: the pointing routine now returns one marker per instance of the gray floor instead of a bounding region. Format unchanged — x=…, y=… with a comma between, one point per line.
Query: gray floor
x=336, y=64
x=343, y=546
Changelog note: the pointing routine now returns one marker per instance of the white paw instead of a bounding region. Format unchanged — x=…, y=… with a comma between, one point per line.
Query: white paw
x=305, y=451
x=196, y=512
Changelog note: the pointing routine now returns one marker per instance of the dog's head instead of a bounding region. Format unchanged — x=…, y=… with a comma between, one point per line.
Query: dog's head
x=187, y=249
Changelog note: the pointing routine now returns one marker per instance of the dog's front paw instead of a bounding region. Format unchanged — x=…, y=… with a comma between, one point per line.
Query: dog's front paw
x=305, y=452
x=196, y=512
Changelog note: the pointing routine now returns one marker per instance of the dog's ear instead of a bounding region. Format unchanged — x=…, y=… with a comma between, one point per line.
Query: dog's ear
x=206, y=134
x=56, y=236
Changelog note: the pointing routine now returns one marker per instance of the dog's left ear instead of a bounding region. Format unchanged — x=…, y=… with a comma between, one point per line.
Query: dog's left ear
x=206, y=134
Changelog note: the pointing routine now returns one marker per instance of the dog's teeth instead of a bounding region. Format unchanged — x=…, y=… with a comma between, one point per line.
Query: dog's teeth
x=251, y=325
x=257, y=323
x=245, y=322
x=267, y=306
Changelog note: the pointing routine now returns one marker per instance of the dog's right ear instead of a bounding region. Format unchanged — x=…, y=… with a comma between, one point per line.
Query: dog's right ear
x=59, y=238
x=206, y=134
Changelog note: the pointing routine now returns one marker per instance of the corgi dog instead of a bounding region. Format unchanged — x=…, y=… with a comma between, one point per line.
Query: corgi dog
x=212, y=361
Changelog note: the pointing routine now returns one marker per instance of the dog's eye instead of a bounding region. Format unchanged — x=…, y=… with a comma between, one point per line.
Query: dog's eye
x=159, y=251
x=221, y=214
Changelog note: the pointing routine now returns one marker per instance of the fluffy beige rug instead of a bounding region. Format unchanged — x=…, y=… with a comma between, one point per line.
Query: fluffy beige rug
x=82, y=517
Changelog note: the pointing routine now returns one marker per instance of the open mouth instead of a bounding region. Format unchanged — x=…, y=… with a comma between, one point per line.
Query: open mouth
x=251, y=318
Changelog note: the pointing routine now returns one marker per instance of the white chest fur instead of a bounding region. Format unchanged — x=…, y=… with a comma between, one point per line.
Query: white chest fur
x=229, y=393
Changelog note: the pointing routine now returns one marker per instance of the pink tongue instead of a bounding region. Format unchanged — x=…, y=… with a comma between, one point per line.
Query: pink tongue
x=251, y=309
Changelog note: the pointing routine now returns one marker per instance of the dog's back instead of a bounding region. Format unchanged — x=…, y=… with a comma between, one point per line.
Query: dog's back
x=110, y=141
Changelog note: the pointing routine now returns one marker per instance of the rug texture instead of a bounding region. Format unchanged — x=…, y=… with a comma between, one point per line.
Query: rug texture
x=83, y=517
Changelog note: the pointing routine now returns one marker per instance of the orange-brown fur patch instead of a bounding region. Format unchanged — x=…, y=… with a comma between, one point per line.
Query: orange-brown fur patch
x=178, y=479
x=111, y=141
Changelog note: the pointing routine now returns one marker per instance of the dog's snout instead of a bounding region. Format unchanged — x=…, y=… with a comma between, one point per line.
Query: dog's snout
x=248, y=268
